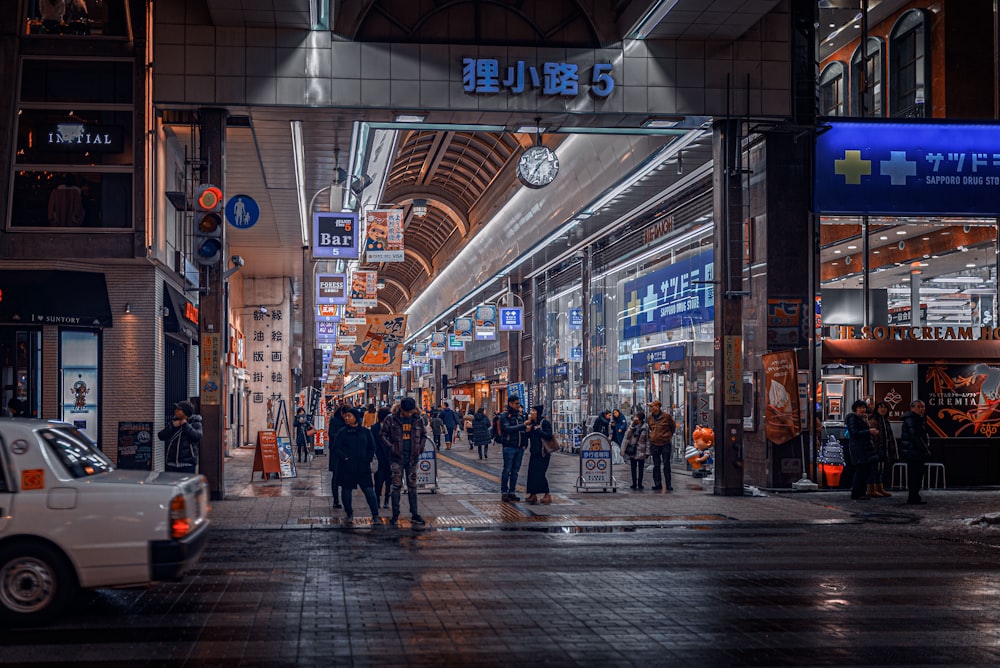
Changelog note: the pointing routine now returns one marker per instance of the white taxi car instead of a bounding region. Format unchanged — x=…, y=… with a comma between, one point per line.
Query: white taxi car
x=69, y=520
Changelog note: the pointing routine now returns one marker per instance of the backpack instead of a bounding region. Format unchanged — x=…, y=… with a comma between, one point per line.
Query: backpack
x=497, y=432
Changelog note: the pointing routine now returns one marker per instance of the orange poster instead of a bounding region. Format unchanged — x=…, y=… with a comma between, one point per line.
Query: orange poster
x=380, y=345
x=782, y=410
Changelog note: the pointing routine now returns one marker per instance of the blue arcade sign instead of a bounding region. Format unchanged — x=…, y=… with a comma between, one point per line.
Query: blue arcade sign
x=908, y=169
x=643, y=359
x=679, y=295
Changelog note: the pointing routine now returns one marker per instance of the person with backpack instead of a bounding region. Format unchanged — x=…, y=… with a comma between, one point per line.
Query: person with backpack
x=450, y=419
x=437, y=429
x=481, y=433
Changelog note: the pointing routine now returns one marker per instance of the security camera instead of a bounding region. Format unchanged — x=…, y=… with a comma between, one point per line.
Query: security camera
x=238, y=261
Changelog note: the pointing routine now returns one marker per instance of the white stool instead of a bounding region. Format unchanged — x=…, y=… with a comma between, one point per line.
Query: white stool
x=900, y=470
x=937, y=468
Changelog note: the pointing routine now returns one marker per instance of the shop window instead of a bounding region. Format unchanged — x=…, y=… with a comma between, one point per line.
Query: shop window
x=908, y=66
x=866, y=80
x=832, y=90
x=68, y=199
x=79, y=362
x=74, y=137
x=106, y=82
x=81, y=18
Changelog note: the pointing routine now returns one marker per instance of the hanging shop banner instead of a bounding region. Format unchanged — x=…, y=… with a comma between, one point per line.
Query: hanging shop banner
x=678, y=295
x=454, y=345
x=384, y=235
x=963, y=400
x=439, y=341
x=511, y=319
x=576, y=354
x=782, y=411
x=922, y=169
x=335, y=235
x=364, y=289
x=380, y=345
x=331, y=288
x=334, y=384
x=347, y=334
x=354, y=315
x=407, y=361
x=463, y=329
x=486, y=321
x=327, y=313
x=420, y=352
x=326, y=331
x=576, y=318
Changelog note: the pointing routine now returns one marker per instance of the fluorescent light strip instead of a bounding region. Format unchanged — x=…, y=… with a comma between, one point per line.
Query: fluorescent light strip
x=438, y=127
x=298, y=157
x=621, y=131
x=652, y=19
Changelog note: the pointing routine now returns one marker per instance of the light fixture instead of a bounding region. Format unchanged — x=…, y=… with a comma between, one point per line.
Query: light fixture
x=128, y=307
x=651, y=19
x=531, y=129
x=409, y=118
x=166, y=311
x=360, y=183
x=659, y=123
x=299, y=168
x=420, y=208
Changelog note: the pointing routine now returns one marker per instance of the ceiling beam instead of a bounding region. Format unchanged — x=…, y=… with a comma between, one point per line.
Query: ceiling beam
x=421, y=258
x=398, y=285
x=441, y=198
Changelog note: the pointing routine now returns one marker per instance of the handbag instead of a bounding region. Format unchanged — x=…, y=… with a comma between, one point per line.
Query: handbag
x=550, y=445
x=631, y=449
x=373, y=465
x=310, y=432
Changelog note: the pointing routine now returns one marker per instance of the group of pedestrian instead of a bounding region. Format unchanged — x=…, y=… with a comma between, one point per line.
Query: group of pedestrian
x=377, y=459
x=518, y=433
x=874, y=449
x=645, y=437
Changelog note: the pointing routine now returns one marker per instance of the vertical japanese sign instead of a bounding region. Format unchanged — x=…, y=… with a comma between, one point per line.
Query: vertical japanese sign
x=781, y=414
x=384, y=235
x=733, y=356
x=463, y=329
x=335, y=235
x=380, y=345
x=364, y=289
x=211, y=358
x=486, y=322
x=266, y=366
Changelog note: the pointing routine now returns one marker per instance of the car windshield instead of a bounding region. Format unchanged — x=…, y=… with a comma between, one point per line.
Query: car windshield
x=78, y=454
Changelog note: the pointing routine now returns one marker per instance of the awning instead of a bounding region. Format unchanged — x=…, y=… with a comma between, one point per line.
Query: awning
x=54, y=297
x=177, y=313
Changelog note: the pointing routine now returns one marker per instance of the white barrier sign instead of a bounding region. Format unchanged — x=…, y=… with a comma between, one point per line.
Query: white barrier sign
x=595, y=461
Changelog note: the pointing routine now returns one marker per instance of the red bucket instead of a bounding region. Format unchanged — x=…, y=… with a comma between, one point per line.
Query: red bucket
x=831, y=473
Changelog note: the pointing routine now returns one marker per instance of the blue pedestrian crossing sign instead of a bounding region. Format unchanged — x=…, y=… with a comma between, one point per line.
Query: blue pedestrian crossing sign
x=242, y=211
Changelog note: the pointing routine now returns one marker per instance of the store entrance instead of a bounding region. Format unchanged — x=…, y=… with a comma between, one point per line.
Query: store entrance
x=20, y=368
x=175, y=374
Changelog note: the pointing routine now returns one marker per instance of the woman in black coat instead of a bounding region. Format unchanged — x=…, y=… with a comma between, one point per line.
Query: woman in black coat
x=354, y=448
x=481, y=433
x=915, y=449
x=538, y=428
x=383, y=477
x=862, y=447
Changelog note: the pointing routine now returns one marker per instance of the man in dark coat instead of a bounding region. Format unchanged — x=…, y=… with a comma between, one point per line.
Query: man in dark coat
x=403, y=432
x=450, y=419
x=182, y=437
x=354, y=448
x=915, y=449
x=514, y=442
x=336, y=424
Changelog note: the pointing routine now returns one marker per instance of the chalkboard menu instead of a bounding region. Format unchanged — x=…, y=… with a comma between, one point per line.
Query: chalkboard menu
x=135, y=445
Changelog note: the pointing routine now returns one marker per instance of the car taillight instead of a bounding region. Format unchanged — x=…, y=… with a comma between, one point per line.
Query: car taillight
x=180, y=523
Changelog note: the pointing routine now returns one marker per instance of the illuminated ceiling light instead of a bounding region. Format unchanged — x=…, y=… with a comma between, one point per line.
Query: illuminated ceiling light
x=971, y=265
x=852, y=248
x=958, y=279
x=531, y=129
x=836, y=252
x=900, y=231
x=883, y=238
x=651, y=19
x=420, y=208
x=658, y=123
x=410, y=118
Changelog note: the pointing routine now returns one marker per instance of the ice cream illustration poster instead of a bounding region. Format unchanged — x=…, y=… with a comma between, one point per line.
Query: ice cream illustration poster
x=781, y=415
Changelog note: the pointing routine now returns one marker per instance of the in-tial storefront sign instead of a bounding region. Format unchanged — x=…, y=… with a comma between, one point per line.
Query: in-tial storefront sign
x=678, y=295
x=331, y=288
x=463, y=329
x=454, y=344
x=576, y=318
x=380, y=345
x=335, y=235
x=962, y=400
x=486, y=321
x=490, y=76
x=781, y=413
x=511, y=319
x=364, y=289
x=79, y=137
x=917, y=168
x=384, y=235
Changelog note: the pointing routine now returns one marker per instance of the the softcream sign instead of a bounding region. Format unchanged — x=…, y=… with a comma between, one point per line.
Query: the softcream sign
x=904, y=333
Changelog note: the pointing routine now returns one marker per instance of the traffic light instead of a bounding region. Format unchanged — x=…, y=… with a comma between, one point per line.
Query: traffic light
x=208, y=225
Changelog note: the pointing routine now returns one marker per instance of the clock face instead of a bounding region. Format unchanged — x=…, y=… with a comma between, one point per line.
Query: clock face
x=537, y=167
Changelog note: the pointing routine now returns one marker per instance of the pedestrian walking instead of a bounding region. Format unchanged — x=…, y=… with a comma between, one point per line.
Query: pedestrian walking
x=437, y=429
x=371, y=416
x=915, y=449
x=514, y=442
x=661, y=432
x=481, y=433
x=602, y=425
x=538, y=428
x=467, y=427
x=450, y=419
x=182, y=439
x=637, y=448
x=885, y=441
x=862, y=448
x=403, y=433
x=302, y=423
x=336, y=424
x=383, y=477
x=354, y=447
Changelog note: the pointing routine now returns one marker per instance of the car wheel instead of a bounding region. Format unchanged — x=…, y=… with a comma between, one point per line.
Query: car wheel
x=36, y=583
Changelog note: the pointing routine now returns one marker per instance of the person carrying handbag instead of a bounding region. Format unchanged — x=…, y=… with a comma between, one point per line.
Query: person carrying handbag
x=538, y=430
x=636, y=448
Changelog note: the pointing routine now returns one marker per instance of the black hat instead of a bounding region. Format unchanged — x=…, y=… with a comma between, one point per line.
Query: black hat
x=539, y=410
x=407, y=404
x=186, y=407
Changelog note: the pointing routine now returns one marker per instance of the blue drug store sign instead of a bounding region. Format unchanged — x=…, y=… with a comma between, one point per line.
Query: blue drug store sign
x=643, y=359
x=489, y=76
x=576, y=318
x=511, y=319
x=908, y=169
x=242, y=212
x=678, y=295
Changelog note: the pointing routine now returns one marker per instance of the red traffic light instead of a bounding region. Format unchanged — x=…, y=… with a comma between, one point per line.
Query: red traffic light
x=208, y=198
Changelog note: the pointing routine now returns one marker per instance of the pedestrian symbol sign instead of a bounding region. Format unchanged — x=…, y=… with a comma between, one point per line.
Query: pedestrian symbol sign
x=242, y=211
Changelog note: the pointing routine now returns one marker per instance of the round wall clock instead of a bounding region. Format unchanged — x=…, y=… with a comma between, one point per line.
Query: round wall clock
x=537, y=167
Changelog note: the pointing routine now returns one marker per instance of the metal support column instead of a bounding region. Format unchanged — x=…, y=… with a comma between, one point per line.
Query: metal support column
x=586, y=391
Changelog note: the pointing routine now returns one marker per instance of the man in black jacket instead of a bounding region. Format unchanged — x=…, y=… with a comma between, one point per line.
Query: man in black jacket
x=403, y=433
x=514, y=442
x=915, y=449
x=336, y=424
